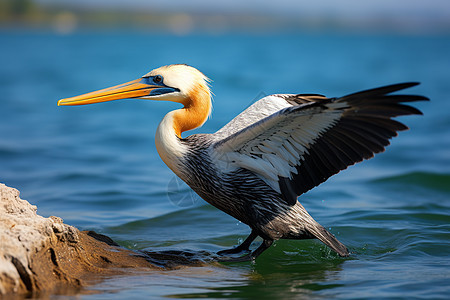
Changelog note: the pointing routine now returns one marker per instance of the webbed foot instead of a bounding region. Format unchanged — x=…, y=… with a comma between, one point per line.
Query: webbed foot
x=247, y=257
x=245, y=246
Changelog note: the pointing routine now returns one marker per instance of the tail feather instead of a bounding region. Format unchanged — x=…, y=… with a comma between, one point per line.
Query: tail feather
x=328, y=239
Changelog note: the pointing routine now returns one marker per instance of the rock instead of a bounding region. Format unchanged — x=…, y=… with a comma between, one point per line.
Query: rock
x=44, y=255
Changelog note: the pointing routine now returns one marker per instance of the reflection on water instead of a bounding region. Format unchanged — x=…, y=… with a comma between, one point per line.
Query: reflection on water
x=272, y=279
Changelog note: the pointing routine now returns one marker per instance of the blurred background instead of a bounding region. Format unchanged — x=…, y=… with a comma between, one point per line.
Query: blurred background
x=185, y=17
x=97, y=167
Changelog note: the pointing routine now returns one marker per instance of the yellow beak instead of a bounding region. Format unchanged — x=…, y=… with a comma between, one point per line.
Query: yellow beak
x=133, y=89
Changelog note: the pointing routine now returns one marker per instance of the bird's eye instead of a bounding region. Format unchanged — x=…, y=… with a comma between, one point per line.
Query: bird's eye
x=157, y=79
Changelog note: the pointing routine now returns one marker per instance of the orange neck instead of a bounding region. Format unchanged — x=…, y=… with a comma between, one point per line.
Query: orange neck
x=195, y=111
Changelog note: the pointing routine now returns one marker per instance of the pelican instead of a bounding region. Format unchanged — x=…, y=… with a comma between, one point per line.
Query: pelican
x=256, y=166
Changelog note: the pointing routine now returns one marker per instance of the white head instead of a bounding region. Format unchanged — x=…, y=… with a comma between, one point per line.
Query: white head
x=185, y=81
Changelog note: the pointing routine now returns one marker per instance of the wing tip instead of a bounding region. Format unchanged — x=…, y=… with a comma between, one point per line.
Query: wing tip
x=385, y=90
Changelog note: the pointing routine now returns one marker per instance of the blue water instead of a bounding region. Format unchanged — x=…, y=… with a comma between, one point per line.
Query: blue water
x=96, y=166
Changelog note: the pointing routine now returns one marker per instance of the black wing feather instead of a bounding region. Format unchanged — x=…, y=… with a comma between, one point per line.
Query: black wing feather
x=363, y=130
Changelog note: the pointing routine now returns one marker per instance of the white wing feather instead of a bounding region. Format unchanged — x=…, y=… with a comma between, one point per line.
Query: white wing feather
x=275, y=145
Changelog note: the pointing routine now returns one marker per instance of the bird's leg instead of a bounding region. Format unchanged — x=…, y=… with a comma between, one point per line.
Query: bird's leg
x=245, y=246
x=251, y=256
x=263, y=247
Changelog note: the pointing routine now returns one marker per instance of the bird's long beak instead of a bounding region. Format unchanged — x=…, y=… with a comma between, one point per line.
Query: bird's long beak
x=133, y=89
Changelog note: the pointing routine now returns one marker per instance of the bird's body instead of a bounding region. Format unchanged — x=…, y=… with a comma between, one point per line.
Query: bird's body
x=256, y=166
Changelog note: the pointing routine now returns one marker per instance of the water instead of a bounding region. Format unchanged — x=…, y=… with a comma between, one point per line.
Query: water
x=97, y=168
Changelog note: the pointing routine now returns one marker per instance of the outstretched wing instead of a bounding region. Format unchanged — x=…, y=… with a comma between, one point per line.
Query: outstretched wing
x=263, y=108
x=301, y=146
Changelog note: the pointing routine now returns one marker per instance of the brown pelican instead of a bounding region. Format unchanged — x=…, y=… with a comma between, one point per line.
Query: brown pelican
x=256, y=166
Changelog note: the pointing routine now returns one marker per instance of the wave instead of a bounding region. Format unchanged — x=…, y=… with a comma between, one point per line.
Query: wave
x=429, y=180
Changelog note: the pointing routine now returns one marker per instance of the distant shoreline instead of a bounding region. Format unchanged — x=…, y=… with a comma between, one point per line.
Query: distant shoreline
x=67, y=19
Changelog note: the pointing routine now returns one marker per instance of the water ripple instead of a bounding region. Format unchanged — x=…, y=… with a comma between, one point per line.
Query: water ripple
x=434, y=181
